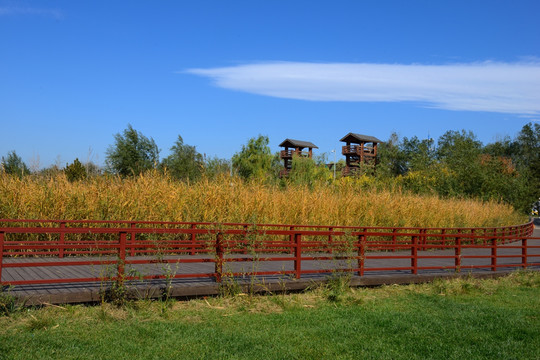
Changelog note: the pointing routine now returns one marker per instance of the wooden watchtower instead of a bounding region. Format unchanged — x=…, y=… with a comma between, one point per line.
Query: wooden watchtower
x=360, y=149
x=294, y=148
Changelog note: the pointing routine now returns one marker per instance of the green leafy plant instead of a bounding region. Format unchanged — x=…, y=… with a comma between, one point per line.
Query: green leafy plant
x=229, y=286
x=40, y=323
x=8, y=302
x=336, y=286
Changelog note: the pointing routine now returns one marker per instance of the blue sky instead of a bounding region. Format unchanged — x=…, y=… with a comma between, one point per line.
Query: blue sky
x=74, y=73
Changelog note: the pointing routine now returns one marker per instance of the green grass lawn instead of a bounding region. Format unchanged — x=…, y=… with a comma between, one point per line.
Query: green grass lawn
x=456, y=319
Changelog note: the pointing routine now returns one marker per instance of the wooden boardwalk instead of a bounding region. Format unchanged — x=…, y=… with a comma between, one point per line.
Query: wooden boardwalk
x=198, y=286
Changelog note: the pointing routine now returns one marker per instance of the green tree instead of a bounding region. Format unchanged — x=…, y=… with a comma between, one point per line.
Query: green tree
x=75, y=171
x=501, y=181
x=456, y=148
x=419, y=154
x=14, y=165
x=528, y=162
x=391, y=160
x=504, y=178
x=214, y=167
x=255, y=160
x=184, y=162
x=132, y=153
x=504, y=147
x=460, y=152
x=528, y=149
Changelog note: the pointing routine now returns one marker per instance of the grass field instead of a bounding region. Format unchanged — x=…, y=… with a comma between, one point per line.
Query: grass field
x=154, y=196
x=452, y=319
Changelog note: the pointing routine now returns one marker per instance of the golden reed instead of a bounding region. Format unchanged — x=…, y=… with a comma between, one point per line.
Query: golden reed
x=155, y=196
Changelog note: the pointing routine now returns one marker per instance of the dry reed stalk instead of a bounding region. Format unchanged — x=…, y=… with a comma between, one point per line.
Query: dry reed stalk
x=155, y=196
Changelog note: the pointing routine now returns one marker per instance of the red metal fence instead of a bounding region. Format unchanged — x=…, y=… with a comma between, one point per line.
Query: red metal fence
x=42, y=244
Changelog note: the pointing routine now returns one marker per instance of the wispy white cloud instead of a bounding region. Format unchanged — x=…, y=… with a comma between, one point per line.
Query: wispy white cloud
x=487, y=86
x=14, y=10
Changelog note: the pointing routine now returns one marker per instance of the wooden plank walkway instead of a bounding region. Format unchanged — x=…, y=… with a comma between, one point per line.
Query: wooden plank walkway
x=197, y=286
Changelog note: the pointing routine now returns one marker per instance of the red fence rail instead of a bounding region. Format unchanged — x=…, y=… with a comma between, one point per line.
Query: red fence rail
x=55, y=244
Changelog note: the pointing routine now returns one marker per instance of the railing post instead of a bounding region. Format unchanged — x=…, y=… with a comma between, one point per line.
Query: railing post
x=132, y=239
x=61, y=243
x=523, y=252
x=121, y=262
x=394, y=239
x=218, y=269
x=193, y=239
x=291, y=241
x=298, y=255
x=361, y=254
x=414, y=255
x=494, y=254
x=1, y=255
x=330, y=241
x=443, y=233
x=457, y=247
x=245, y=251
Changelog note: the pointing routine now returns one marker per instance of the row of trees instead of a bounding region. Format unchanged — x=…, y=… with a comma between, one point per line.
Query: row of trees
x=131, y=154
x=458, y=164
x=134, y=153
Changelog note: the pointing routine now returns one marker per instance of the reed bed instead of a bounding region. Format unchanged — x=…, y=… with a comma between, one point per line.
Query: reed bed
x=157, y=197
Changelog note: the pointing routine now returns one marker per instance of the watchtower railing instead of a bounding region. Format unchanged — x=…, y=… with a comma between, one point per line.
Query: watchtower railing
x=287, y=154
x=358, y=150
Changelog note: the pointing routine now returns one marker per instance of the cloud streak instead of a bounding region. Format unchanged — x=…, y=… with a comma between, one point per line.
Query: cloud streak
x=488, y=86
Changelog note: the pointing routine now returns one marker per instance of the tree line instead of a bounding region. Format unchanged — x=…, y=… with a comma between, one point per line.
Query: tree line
x=457, y=164
x=460, y=165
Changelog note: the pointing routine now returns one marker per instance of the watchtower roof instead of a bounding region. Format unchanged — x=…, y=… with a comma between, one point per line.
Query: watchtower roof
x=298, y=144
x=358, y=138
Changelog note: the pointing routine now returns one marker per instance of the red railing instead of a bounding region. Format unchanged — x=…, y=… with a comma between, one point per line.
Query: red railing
x=46, y=244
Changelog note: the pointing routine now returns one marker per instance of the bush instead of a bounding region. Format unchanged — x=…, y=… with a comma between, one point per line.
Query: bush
x=305, y=171
x=75, y=171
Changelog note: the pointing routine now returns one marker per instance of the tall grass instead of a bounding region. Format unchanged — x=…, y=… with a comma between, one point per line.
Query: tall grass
x=155, y=196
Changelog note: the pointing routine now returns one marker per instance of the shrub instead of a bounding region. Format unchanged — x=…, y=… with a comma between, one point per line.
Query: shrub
x=75, y=171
